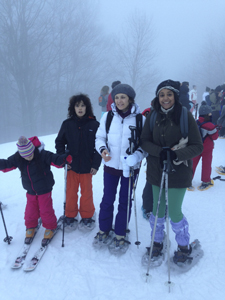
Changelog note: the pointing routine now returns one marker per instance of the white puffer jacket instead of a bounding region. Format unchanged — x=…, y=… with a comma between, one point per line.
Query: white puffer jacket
x=118, y=136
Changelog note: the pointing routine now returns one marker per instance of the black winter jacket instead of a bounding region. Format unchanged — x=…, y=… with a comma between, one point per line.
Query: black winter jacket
x=79, y=137
x=184, y=97
x=36, y=175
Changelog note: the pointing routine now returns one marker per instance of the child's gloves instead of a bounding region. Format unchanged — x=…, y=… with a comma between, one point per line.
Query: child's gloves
x=67, y=157
x=134, y=158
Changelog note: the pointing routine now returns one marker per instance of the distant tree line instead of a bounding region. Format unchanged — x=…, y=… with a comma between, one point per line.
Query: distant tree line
x=53, y=49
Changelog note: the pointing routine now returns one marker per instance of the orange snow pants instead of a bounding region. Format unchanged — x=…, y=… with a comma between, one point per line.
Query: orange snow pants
x=86, y=208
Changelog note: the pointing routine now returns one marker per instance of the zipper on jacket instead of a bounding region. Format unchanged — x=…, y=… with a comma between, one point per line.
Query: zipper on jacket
x=30, y=179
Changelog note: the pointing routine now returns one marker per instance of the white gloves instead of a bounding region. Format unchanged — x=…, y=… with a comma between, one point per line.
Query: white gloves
x=134, y=159
x=130, y=161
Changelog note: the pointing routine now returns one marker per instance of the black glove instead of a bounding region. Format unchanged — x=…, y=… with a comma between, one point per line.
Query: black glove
x=167, y=155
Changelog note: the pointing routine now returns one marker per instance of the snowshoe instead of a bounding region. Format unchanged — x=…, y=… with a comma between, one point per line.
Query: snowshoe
x=191, y=188
x=206, y=185
x=184, y=259
x=119, y=245
x=87, y=224
x=221, y=170
x=158, y=254
x=70, y=224
x=103, y=239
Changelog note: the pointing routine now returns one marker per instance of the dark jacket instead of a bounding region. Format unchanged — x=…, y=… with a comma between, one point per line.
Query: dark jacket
x=184, y=96
x=36, y=175
x=167, y=134
x=79, y=137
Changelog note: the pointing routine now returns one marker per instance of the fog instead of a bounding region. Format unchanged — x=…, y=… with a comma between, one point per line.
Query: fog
x=51, y=50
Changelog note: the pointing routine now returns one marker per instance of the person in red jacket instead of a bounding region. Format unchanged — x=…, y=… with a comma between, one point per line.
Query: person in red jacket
x=110, y=99
x=209, y=134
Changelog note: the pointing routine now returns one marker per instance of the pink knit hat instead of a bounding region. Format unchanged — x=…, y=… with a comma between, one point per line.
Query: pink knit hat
x=25, y=147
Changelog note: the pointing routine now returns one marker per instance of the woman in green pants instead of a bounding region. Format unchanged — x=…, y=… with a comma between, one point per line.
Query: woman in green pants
x=166, y=132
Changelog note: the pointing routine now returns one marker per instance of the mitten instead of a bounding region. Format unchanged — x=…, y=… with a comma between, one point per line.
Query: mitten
x=134, y=158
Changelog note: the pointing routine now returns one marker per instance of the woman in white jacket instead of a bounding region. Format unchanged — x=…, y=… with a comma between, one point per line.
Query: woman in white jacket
x=114, y=149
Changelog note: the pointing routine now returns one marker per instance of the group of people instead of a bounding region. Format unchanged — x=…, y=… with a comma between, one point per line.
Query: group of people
x=122, y=139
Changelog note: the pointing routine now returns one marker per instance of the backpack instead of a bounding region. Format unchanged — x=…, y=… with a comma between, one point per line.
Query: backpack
x=139, y=116
x=200, y=129
x=102, y=101
x=183, y=121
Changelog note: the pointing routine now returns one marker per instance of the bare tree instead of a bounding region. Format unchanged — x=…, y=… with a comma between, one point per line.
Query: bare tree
x=49, y=50
x=136, y=54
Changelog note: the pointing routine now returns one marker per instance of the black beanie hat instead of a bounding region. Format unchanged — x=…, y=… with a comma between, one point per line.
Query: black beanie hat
x=115, y=83
x=170, y=85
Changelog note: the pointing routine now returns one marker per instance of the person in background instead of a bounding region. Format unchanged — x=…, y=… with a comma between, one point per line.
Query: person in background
x=209, y=135
x=214, y=97
x=77, y=134
x=193, y=96
x=184, y=96
x=221, y=122
x=37, y=179
x=205, y=96
x=114, y=148
x=110, y=99
x=103, y=98
x=167, y=133
x=147, y=195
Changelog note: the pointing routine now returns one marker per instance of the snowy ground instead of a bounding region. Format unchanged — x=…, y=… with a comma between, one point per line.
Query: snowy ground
x=78, y=271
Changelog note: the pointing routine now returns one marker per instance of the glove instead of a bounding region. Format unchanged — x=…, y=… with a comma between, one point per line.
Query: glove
x=164, y=154
x=134, y=158
x=67, y=157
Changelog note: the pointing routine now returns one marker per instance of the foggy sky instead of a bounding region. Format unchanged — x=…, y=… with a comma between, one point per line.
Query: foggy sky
x=182, y=28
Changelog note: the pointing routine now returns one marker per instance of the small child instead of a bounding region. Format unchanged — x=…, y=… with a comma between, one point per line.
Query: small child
x=77, y=133
x=34, y=164
x=209, y=134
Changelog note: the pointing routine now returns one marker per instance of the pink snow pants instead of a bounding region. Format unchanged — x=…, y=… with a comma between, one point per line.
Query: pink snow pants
x=40, y=206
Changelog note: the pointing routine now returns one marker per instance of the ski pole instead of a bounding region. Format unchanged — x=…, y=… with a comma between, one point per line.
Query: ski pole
x=130, y=151
x=7, y=238
x=169, y=283
x=64, y=204
x=135, y=207
x=156, y=219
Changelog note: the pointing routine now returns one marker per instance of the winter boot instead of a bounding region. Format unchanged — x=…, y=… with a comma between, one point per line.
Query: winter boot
x=145, y=213
x=87, y=223
x=191, y=188
x=30, y=232
x=158, y=253
x=221, y=170
x=182, y=254
x=206, y=185
x=47, y=237
x=70, y=223
x=119, y=245
x=103, y=238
